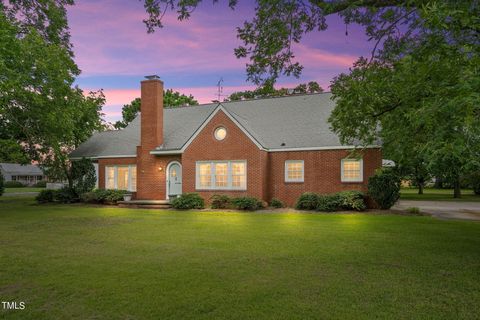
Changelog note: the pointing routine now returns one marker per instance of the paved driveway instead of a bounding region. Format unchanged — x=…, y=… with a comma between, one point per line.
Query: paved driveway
x=20, y=194
x=444, y=209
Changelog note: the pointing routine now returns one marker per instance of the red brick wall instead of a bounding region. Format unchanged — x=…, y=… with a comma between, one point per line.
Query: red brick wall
x=151, y=182
x=102, y=163
x=235, y=146
x=322, y=173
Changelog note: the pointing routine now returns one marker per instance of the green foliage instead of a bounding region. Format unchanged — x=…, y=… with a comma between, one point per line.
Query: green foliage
x=328, y=202
x=2, y=186
x=46, y=196
x=108, y=196
x=247, y=203
x=220, y=201
x=83, y=175
x=90, y=197
x=276, y=203
x=352, y=200
x=345, y=200
x=41, y=184
x=171, y=99
x=188, y=201
x=268, y=90
x=12, y=152
x=307, y=201
x=66, y=195
x=384, y=188
x=13, y=184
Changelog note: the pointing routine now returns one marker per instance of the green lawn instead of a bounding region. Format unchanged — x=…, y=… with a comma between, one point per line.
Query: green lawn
x=437, y=195
x=77, y=262
x=23, y=190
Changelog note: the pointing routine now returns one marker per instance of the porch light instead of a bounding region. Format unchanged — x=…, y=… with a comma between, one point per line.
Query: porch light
x=160, y=168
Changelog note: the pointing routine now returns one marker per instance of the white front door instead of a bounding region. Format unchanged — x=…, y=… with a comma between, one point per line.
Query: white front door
x=174, y=180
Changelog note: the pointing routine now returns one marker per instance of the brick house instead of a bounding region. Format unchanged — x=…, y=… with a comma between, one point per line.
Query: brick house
x=266, y=148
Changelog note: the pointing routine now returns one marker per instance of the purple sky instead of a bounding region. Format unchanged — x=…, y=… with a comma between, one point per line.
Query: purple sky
x=114, y=51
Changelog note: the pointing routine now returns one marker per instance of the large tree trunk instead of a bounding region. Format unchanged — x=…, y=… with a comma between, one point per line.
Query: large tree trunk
x=438, y=183
x=456, y=188
x=420, y=187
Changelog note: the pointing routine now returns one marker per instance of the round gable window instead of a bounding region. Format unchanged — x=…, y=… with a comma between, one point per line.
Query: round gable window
x=220, y=133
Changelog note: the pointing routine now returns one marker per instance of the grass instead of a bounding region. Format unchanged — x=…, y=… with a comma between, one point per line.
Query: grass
x=77, y=262
x=23, y=190
x=437, y=195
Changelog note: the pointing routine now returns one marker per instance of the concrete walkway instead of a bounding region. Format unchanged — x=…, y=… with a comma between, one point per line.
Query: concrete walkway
x=444, y=209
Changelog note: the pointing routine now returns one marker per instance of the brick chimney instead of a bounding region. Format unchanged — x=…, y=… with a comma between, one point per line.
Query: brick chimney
x=151, y=112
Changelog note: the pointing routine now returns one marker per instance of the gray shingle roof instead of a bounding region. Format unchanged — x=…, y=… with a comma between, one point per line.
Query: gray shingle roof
x=18, y=169
x=299, y=121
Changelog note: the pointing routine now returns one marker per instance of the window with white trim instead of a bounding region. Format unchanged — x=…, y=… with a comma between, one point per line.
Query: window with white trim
x=121, y=177
x=294, y=171
x=221, y=175
x=352, y=170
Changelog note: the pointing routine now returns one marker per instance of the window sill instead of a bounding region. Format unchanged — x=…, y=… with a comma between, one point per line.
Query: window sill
x=294, y=182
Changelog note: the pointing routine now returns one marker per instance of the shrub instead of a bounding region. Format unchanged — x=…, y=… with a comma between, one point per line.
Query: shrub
x=83, y=175
x=220, y=201
x=384, y=188
x=41, y=184
x=13, y=184
x=103, y=196
x=188, y=201
x=247, y=203
x=89, y=197
x=328, y=202
x=276, y=203
x=352, y=200
x=46, y=196
x=66, y=195
x=307, y=201
x=2, y=186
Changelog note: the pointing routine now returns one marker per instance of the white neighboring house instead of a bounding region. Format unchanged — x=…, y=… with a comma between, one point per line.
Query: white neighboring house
x=26, y=174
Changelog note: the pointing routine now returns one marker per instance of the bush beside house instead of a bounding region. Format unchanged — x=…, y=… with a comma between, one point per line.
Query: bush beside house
x=384, y=188
x=188, y=201
x=13, y=184
x=345, y=200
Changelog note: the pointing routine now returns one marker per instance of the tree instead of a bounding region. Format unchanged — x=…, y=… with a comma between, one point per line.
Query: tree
x=269, y=91
x=40, y=109
x=11, y=151
x=171, y=99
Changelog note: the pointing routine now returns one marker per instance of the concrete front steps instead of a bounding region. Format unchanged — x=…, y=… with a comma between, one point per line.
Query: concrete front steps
x=145, y=204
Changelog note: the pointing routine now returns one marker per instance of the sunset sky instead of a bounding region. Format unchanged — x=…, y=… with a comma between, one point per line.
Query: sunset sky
x=114, y=51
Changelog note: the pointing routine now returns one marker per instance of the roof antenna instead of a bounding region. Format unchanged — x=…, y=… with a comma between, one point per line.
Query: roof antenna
x=219, y=89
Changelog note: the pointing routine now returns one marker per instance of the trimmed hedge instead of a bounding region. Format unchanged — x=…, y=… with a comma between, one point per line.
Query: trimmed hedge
x=307, y=201
x=66, y=195
x=220, y=201
x=345, y=200
x=41, y=184
x=188, y=201
x=13, y=184
x=275, y=203
x=247, y=203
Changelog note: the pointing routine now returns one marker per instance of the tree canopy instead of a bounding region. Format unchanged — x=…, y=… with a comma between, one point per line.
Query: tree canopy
x=171, y=99
x=270, y=91
x=40, y=108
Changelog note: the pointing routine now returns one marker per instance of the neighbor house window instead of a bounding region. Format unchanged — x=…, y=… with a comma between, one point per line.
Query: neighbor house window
x=352, y=170
x=294, y=171
x=121, y=177
x=221, y=175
